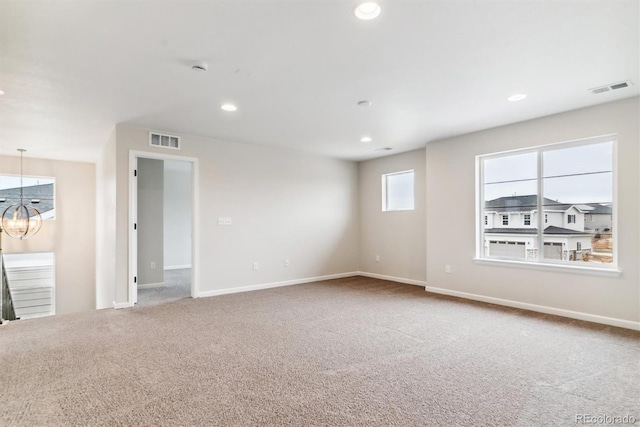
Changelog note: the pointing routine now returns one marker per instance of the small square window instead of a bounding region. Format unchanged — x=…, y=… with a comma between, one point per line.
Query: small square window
x=527, y=219
x=398, y=191
x=486, y=220
x=505, y=219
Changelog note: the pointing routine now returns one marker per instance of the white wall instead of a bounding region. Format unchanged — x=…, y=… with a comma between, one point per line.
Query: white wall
x=106, y=224
x=71, y=236
x=150, y=221
x=177, y=214
x=397, y=237
x=283, y=204
x=451, y=218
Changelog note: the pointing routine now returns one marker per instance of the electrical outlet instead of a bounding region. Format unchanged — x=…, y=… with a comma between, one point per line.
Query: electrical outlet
x=255, y=266
x=377, y=258
x=287, y=263
x=447, y=269
x=153, y=265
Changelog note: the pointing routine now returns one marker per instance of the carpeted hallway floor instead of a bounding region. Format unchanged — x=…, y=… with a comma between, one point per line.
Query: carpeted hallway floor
x=177, y=285
x=353, y=351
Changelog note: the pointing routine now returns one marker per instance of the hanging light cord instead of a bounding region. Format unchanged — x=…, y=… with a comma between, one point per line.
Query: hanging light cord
x=21, y=150
x=21, y=154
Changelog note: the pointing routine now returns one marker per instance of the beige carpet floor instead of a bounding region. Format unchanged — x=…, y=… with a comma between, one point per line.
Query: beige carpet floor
x=353, y=351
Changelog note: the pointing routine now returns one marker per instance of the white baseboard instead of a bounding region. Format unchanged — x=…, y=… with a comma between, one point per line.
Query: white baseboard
x=392, y=278
x=275, y=284
x=151, y=285
x=177, y=267
x=621, y=323
x=119, y=305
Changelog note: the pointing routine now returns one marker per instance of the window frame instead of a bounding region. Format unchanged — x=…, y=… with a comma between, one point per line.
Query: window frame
x=543, y=263
x=385, y=192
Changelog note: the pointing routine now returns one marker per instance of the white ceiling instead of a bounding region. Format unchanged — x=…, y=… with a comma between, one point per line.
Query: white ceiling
x=71, y=70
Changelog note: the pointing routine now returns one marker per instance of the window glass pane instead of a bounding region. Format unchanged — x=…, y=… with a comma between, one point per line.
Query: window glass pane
x=510, y=200
x=37, y=191
x=399, y=189
x=577, y=160
x=578, y=186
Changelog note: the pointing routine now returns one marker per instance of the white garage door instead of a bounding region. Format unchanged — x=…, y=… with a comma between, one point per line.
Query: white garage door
x=553, y=250
x=503, y=249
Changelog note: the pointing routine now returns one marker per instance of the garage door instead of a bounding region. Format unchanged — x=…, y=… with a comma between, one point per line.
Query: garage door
x=503, y=249
x=553, y=250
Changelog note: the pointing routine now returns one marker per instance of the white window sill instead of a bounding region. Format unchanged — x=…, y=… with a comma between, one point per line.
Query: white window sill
x=560, y=268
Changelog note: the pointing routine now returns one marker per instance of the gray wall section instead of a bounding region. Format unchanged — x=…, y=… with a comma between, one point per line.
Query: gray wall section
x=177, y=214
x=451, y=219
x=71, y=236
x=150, y=220
x=283, y=204
x=397, y=237
x=106, y=224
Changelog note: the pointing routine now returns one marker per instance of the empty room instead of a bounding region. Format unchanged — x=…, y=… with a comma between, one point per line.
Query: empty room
x=312, y=212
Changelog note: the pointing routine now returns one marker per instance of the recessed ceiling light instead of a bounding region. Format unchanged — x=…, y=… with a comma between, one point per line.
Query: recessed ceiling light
x=366, y=139
x=228, y=107
x=367, y=10
x=1, y=92
x=516, y=97
x=364, y=103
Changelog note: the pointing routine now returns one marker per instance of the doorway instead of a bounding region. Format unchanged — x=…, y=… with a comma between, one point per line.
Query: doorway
x=163, y=228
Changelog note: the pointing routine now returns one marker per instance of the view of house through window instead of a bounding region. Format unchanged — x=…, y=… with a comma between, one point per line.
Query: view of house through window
x=36, y=191
x=571, y=183
x=397, y=191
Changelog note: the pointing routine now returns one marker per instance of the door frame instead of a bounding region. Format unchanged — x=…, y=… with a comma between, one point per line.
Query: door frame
x=134, y=155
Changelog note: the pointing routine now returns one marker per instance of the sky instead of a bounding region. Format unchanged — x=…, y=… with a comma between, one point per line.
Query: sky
x=400, y=188
x=12, y=181
x=581, y=174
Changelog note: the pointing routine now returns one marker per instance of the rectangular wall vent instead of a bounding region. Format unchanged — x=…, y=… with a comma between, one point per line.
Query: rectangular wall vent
x=609, y=88
x=164, y=141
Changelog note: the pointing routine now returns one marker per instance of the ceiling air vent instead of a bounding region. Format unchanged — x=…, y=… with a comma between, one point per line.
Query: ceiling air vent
x=164, y=141
x=609, y=88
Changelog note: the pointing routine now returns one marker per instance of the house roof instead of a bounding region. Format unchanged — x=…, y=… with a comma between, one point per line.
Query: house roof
x=529, y=203
x=550, y=230
x=44, y=192
x=522, y=204
x=599, y=209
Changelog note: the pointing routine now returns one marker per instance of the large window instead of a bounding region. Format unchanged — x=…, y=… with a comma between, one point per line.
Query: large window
x=556, y=189
x=397, y=191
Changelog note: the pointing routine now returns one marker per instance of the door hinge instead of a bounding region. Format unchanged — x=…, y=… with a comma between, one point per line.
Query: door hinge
x=135, y=226
x=135, y=279
x=135, y=172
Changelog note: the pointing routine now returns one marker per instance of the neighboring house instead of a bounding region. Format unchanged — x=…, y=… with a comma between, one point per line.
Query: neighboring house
x=511, y=229
x=599, y=219
x=39, y=196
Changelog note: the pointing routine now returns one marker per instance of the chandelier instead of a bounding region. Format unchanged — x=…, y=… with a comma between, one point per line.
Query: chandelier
x=21, y=220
